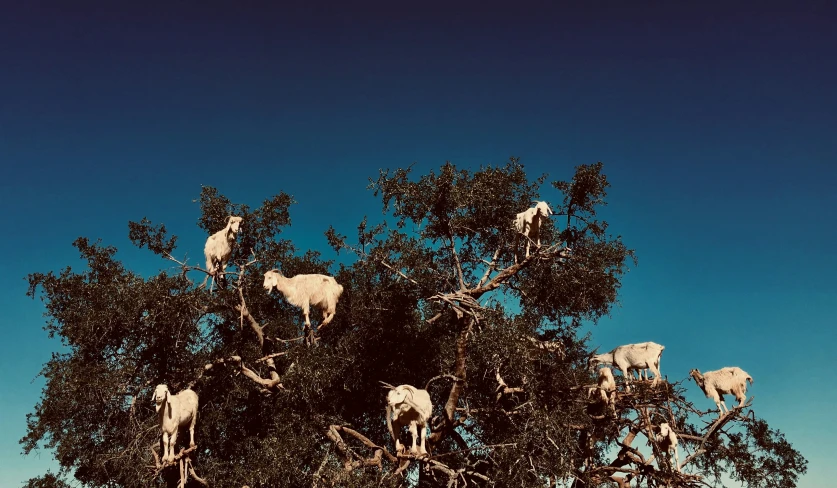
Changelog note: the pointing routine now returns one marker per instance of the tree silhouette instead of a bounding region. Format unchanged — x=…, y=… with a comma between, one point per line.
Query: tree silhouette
x=433, y=297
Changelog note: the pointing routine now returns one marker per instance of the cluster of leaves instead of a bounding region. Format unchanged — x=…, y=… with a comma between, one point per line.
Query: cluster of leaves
x=438, y=298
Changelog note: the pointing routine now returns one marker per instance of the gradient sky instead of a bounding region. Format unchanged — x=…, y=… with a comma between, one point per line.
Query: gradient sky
x=716, y=125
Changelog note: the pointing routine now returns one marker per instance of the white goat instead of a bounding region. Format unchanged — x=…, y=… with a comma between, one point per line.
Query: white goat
x=607, y=386
x=175, y=411
x=667, y=441
x=725, y=381
x=412, y=407
x=642, y=373
x=304, y=290
x=631, y=356
x=528, y=223
x=218, y=248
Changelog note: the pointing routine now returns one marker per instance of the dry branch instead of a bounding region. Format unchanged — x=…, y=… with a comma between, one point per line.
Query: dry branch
x=352, y=460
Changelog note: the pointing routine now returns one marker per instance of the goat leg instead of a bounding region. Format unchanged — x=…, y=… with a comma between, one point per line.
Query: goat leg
x=173, y=444
x=414, y=433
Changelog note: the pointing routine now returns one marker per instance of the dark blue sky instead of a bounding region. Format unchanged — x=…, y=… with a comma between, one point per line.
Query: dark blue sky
x=715, y=122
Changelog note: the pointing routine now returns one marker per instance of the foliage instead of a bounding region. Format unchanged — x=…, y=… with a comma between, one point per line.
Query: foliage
x=433, y=298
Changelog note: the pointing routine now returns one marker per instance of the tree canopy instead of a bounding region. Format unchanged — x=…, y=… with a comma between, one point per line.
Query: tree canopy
x=435, y=296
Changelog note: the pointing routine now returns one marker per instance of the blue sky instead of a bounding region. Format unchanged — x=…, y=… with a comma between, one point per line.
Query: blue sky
x=715, y=123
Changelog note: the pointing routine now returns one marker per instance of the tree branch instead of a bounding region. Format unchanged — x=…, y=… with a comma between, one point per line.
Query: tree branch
x=349, y=461
x=441, y=376
x=363, y=254
x=460, y=372
x=553, y=251
x=462, y=285
x=490, y=268
x=269, y=385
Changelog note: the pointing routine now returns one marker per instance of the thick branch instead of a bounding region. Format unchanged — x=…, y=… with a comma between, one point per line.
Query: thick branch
x=271, y=384
x=490, y=268
x=195, y=476
x=242, y=307
x=722, y=420
x=504, y=275
x=503, y=388
x=460, y=372
x=180, y=455
x=349, y=461
x=462, y=286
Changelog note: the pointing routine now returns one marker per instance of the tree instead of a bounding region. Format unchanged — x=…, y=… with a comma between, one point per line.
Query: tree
x=433, y=298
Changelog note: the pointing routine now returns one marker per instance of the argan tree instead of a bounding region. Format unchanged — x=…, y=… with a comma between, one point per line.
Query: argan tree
x=435, y=296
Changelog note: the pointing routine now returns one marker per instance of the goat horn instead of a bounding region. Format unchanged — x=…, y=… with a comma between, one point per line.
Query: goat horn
x=386, y=385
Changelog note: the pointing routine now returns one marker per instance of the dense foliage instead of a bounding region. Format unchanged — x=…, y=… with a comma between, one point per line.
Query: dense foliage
x=434, y=297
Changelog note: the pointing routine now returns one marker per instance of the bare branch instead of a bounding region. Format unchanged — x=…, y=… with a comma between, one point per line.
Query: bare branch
x=269, y=385
x=503, y=388
x=352, y=460
x=503, y=276
x=194, y=475
x=462, y=285
x=460, y=373
x=271, y=356
x=490, y=268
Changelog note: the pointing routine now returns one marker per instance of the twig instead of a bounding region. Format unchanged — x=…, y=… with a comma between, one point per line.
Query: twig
x=477, y=448
x=382, y=261
x=441, y=376
x=271, y=356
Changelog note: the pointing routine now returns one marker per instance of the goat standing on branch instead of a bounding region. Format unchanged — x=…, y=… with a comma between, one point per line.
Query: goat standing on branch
x=528, y=223
x=725, y=381
x=304, y=290
x=218, y=248
x=606, y=389
x=630, y=356
x=667, y=441
x=175, y=411
x=410, y=406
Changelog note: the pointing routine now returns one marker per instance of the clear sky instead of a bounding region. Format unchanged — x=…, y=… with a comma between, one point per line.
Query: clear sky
x=716, y=125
